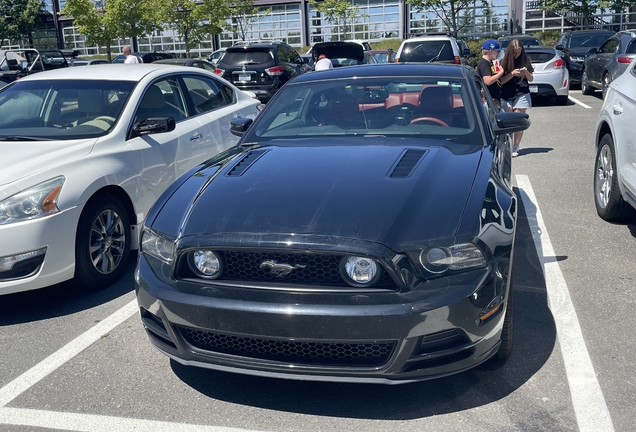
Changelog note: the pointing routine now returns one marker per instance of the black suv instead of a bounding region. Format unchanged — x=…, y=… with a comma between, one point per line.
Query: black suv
x=575, y=45
x=261, y=68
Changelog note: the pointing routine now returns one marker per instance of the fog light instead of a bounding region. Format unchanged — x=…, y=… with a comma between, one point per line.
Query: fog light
x=7, y=262
x=360, y=271
x=207, y=264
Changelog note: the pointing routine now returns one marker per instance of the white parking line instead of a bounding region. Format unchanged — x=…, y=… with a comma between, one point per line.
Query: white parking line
x=578, y=102
x=64, y=354
x=98, y=423
x=587, y=398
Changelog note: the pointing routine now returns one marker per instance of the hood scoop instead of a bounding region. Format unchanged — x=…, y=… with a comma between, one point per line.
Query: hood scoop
x=406, y=163
x=247, y=161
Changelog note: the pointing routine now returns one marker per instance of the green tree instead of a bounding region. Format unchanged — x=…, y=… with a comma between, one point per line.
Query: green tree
x=340, y=13
x=243, y=15
x=585, y=8
x=93, y=21
x=447, y=10
x=18, y=18
x=135, y=18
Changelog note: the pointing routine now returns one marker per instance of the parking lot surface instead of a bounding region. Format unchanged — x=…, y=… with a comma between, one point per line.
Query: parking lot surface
x=77, y=361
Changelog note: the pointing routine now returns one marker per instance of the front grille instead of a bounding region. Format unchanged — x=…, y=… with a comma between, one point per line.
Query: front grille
x=310, y=269
x=348, y=354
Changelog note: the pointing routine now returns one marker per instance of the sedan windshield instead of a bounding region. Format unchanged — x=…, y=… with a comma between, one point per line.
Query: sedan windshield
x=377, y=106
x=61, y=109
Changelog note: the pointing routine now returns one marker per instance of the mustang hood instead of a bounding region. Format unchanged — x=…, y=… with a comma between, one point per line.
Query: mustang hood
x=24, y=158
x=392, y=195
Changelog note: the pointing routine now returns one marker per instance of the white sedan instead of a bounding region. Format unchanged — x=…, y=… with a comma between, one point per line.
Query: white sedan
x=615, y=167
x=85, y=154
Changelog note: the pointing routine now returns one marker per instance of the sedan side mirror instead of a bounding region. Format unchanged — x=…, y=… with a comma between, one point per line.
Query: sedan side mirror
x=509, y=122
x=239, y=126
x=591, y=51
x=153, y=125
x=560, y=47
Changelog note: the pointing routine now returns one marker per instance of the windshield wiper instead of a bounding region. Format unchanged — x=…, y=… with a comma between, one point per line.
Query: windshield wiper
x=24, y=138
x=438, y=54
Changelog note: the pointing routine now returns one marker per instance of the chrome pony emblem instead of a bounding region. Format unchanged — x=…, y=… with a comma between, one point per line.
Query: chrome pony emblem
x=282, y=269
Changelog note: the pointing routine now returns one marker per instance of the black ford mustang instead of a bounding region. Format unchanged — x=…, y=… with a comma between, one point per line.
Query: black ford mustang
x=362, y=230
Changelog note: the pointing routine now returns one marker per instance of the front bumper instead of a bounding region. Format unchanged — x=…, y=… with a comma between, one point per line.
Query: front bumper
x=384, y=337
x=56, y=233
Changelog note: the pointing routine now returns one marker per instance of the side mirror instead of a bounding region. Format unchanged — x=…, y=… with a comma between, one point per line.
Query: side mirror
x=560, y=47
x=509, y=122
x=239, y=126
x=153, y=125
x=592, y=51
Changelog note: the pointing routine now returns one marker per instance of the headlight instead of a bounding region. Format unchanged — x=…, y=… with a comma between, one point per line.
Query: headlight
x=577, y=59
x=206, y=264
x=157, y=246
x=34, y=203
x=456, y=257
x=360, y=271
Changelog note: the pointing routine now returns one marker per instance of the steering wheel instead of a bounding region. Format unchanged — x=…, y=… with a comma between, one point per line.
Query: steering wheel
x=429, y=119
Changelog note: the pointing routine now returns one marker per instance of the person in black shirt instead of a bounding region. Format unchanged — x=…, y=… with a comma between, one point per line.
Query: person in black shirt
x=515, y=92
x=491, y=73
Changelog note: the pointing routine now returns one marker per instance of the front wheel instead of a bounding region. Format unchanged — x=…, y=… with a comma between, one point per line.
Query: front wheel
x=607, y=196
x=102, y=244
x=585, y=85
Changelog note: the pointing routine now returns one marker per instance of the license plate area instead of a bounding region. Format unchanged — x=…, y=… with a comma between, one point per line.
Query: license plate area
x=534, y=89
x=245, y=77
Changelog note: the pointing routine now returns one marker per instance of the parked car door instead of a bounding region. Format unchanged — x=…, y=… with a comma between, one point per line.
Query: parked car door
x=185, y=145
x=597, y=64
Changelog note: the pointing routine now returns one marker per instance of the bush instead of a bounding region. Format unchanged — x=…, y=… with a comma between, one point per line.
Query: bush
x=548, y=38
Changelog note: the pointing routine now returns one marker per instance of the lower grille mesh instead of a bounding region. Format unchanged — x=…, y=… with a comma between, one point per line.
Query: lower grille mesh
x=308, y=353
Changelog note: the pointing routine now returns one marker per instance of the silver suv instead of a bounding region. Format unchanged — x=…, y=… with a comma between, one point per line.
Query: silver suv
x=431, y=49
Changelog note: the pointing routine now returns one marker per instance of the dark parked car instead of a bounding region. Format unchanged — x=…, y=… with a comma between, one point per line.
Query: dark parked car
x=361, y=230
x=604, y=65
x=526, y=40
x=342, y=53
x=198, y=63
x=575, y=45
x=384, y=56
x=146, y=57
x=261, y=68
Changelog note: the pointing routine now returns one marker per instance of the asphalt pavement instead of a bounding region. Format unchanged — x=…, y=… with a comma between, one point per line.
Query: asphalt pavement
x=80, y=361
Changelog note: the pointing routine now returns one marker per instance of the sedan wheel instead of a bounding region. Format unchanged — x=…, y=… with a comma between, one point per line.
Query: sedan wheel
x=102, y=244
x=585, y=86
x=607, y=197
x=606, y=82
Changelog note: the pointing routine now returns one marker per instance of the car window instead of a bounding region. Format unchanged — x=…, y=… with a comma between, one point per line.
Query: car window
x=162, y=99
x=283, y=54
x=427, y=51
x=62, y=109
x=610, y=46
x=540, y=56
x=405, y=107
x=587, y=40
x=207, y=67
x=631, y=48
x=247, y=57
x=205, y=94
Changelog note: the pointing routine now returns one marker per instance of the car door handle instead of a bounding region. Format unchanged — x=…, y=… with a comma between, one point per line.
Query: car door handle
x=196, y=136
x=617, y=109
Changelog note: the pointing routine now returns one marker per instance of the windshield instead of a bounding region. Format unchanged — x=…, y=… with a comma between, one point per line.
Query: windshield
x=588, y=40
x=378, y=106
x=61, y=109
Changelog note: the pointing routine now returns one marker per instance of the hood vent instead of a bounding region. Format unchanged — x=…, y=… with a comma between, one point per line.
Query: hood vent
x=248, y=160
x=407, y=163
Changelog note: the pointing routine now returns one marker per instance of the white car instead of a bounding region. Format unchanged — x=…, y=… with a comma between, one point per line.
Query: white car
x=615, y=166
x=85, y=154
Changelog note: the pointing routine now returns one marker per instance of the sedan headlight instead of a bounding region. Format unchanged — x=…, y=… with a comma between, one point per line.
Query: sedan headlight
x=461, y=256
x=34, y=203
x=577, y=59
x=157, y=246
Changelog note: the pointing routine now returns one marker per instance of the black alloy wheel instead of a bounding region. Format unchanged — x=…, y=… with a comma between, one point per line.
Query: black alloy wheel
x=610, y=205
x=585, y=85
x=102, y=244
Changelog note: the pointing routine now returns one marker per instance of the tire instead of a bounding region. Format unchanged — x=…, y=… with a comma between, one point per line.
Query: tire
x=102, y=244
x=562, y=100
x=505, y=349
x=610, y=205
x=606, y=82
x=585, y=85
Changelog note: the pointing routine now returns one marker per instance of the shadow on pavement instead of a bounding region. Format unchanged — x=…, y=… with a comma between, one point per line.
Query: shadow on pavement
x=530, y=150
x=534, y=338
x=59, y=300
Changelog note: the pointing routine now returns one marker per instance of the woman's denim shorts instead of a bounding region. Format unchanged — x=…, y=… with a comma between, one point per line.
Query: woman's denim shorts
x=520, y=102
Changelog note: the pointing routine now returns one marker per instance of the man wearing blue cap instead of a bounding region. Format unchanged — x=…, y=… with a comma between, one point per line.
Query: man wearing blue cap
x=491, y=73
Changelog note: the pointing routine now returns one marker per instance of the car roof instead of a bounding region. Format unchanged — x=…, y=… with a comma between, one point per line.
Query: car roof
x=591, y=31
x=112, y=72
x=387, y=69
x=428, y=37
